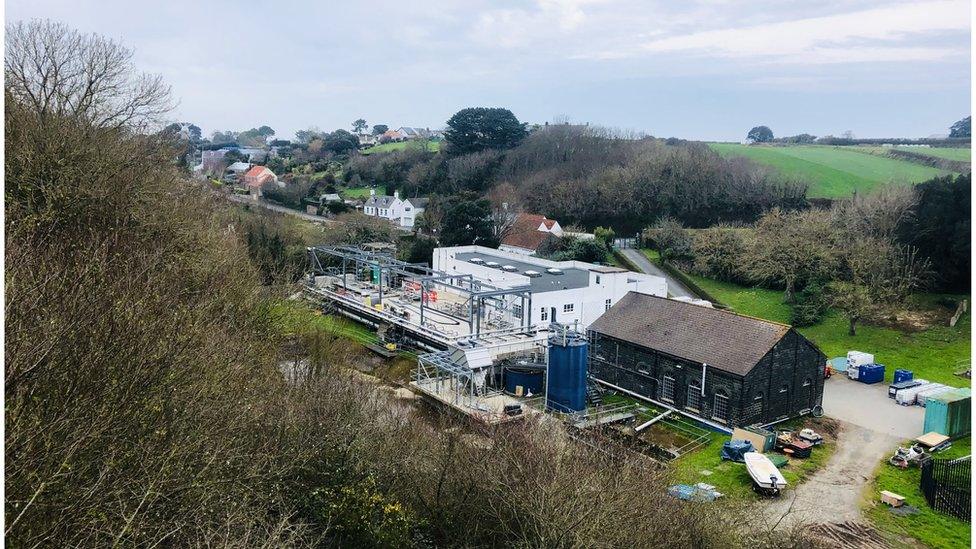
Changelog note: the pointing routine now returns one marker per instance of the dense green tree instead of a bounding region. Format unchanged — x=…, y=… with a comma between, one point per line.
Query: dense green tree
x=379, y=129
x=359, y=125
x=480, y=128
x=760, y=134
x=962, y=128
x=340, y=142
x=467, y=220
x=941, y=229
x=223, y=137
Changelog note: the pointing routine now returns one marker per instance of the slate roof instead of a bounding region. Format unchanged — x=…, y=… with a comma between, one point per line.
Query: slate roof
x=380, y=201
x=419, y=203
x=723, y=340
x=525, y=233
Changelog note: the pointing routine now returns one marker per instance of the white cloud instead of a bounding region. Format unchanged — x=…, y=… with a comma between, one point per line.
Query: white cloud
x=860, y=36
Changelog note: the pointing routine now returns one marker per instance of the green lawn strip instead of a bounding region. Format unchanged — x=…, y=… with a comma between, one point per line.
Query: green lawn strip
x=933, y=354
x=930, y=527
x=292, y=317
x=432, y=146
x=361, y=192
x=832, y=172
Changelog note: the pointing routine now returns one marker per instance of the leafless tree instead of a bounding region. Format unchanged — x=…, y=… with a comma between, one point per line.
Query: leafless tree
x=60, y=72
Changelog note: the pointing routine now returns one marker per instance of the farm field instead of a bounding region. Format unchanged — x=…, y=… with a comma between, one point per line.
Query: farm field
x=928, y=526
x=933, y=354
x=832, y=172
x=432, y=146
x=961, y=154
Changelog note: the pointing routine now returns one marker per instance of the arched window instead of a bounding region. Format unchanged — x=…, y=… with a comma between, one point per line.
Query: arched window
x=721, y=409
x=785, y=388
x=694, y=396
x=807, y=382
x=667, y=388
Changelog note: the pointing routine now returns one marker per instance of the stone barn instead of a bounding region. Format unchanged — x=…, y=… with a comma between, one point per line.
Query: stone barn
x=724, y=368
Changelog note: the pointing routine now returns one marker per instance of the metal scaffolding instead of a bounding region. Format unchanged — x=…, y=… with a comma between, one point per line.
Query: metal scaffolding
x=478, y=302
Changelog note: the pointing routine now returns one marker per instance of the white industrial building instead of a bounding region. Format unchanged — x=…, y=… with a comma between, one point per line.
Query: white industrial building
x=567, y=292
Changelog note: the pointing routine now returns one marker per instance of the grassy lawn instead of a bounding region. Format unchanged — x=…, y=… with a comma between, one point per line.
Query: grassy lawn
x=832, y=172
x=432, y=146
x=927, y=526
x=361, y=192
x=933, y=354
x=732, y=479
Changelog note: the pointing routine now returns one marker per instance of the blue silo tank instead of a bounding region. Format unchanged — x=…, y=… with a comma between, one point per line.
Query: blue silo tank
x=566, y=389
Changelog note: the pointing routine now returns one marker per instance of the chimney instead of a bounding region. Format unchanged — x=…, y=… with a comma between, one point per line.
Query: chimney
x=372, y=192
x=396, y=195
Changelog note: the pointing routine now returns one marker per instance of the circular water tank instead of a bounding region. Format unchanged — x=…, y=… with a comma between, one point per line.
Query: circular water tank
x=529, y=380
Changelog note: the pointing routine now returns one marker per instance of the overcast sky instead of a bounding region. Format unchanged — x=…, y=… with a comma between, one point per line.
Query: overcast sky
x=691, y=69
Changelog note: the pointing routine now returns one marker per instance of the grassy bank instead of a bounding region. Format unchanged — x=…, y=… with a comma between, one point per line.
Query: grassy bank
x=927, y=526
x=833, y=172
x=361, y=192
x=432, y=146
x=933, y=354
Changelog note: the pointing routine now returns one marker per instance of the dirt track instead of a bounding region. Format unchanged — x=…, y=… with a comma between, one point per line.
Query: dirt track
x=833, y=494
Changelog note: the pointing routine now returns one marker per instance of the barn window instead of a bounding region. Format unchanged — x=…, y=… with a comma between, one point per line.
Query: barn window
x=721, y=411
x=694, y=396
x=667, y=388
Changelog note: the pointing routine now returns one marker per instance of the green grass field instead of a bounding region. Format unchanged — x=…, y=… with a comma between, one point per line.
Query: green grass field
x=832, y=172
x=927, y=526
x=361, y=192
x=962, y=154
x=933, y=354
x=432, y=146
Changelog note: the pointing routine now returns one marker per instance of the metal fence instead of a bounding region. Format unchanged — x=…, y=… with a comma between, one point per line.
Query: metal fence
x=946, y=486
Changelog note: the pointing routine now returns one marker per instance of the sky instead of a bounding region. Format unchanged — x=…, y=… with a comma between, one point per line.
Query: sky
x=693, y=69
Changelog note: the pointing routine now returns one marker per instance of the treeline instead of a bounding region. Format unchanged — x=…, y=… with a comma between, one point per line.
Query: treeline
x=586, y=176
x=863, y=256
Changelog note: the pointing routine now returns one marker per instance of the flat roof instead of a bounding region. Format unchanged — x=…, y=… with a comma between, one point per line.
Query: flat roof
x=571, y=279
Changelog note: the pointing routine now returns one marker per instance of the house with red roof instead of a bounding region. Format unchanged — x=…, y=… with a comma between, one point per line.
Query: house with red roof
x=528, y=233
x=257, y=177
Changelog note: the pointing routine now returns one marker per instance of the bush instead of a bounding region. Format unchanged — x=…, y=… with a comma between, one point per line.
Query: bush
x=810, y=307
x=719, y=253
x=670, y=238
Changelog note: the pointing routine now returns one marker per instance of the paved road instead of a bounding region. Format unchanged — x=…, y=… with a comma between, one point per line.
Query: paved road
x=274, y=207
x=675, y=287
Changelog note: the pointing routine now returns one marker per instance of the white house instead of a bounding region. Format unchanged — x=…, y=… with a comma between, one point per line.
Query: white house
x=403, y=212
x=567, y=292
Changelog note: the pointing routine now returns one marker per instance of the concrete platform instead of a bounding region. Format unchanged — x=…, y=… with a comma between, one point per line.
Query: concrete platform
x=868, y=406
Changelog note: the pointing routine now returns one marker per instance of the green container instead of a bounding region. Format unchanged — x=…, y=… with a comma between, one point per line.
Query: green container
x=769, y=437
x=949, y=413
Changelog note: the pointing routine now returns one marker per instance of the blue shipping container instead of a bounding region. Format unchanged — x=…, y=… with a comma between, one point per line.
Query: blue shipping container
x=566, y=390
x=903, y=375
x=871, y=373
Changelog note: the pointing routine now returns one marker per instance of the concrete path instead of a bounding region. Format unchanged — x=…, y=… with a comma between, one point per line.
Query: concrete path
x=675, y=287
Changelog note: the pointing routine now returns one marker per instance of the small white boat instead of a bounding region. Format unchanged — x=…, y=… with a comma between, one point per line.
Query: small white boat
x=764, y=474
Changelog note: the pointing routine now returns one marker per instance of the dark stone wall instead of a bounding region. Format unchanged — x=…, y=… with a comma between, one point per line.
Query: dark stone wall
x=787, y=382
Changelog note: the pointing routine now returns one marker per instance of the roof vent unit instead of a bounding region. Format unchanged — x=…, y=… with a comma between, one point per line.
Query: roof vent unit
x=533, y=274
x=476, y=260
x=493, y=264
x=509, y=268
x=554, y=271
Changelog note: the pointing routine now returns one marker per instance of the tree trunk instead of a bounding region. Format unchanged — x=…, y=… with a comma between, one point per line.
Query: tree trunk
x=851, y=331
x=790, y=295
